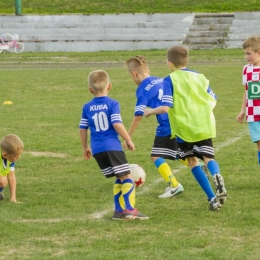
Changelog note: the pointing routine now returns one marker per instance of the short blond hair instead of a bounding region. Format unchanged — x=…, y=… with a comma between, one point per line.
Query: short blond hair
x=11, y=144
x=253, y=41
x=138, y=64
x=178, y=55
x=98, y=80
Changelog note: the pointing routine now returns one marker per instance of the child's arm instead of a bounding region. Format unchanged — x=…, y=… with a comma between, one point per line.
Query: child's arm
x=120, y=128
x=135, y=122
x=84, y=142
x=242, y=112
x=155, y=111
x=12, y=185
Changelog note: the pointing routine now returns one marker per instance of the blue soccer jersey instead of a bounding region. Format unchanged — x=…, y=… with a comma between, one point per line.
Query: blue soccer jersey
x=150, y=93
x=99, y=115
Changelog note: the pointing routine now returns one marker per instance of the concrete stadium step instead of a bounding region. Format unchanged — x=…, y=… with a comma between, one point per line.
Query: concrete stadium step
x=98, y=32
x=104, y=31
x=212, y=20
x=243, y=26
x=210, y=33
x=131, y=31
x=238, y=30
x=100, y=37
x=101, y=19
x=97, y=46
x=204, y=46
x=209, y=29
x=162, y=25
x=205, y=40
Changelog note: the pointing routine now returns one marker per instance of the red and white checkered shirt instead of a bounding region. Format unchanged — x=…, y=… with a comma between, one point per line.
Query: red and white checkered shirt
x=251, y=81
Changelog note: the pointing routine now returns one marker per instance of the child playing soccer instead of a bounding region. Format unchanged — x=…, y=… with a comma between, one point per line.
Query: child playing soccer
x=251, y=98
x=149, y=93
x=102, y=117
x=11, y=148
x=192, y=121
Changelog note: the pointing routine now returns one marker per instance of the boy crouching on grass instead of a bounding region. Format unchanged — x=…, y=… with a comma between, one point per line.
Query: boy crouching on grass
x=11, y=148
x=102, y=117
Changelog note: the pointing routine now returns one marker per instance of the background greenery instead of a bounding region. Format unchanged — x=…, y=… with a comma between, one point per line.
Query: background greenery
x=128, y=6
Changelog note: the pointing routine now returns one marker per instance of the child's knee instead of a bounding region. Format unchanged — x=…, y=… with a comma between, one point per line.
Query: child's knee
x=3, y=182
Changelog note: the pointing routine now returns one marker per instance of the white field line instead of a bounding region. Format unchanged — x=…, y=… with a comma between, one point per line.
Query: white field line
x=100, y=214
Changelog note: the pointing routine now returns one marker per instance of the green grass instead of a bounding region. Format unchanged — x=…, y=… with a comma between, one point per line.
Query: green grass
x=128, y=6
x=67, y=203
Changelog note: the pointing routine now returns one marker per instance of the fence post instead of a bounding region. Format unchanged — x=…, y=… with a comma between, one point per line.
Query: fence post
x=18, y=7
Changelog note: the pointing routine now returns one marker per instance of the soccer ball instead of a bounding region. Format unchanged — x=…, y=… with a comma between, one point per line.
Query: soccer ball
x=138, y=174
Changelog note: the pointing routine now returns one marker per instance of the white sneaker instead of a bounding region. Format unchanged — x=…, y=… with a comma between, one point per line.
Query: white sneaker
x=170, y=192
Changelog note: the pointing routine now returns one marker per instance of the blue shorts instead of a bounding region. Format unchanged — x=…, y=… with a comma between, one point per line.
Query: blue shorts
x=254, y=129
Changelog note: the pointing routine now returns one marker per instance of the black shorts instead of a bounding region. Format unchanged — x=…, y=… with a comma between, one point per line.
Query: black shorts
x=164, y=147
x=112, y=163
x=197, y=149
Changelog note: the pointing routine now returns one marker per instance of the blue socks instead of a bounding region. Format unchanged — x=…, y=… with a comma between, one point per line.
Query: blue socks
x=117, y=196
x=1, y=189
x=258, y=154
x=203, y=181
x=213, y=167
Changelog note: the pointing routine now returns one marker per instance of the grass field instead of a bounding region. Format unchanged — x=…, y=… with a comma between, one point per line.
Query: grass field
x=66, y=204
x=127, y=6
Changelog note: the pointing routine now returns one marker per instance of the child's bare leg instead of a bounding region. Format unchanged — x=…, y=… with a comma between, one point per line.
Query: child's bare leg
x=258, y=151
x=3, y=183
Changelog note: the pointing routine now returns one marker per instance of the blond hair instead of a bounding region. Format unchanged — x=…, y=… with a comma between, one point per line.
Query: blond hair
x=138, y=64
x=98, y=80
x=253, y=42
x=11, y=144
x=178, y=55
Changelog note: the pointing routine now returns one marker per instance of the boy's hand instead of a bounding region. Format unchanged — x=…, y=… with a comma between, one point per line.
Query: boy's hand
x=87, y=154
x=130, y=145
x=124, y=145
x=240, y=117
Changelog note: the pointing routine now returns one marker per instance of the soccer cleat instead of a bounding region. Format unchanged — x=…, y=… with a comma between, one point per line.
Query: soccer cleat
x=184, y=162
x=118, y=216
x=221, y=192
x=1, y=196
x=214, y=204
x=170, y=191
x=134, y=214
x=204, y=169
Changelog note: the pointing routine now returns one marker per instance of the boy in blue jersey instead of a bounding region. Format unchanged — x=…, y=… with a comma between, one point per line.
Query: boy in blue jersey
x=102, y=117
x=11, y=148
x=150, y=93
x=192, y=121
